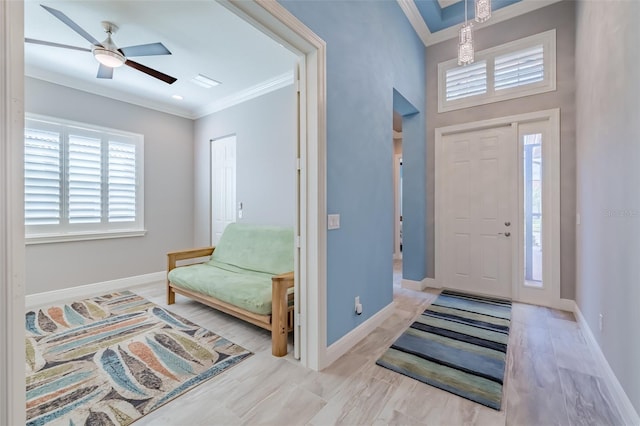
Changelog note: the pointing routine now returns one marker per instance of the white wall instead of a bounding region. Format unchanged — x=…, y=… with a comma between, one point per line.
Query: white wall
x=265, y=165
x=608, y=181
x=560, y=16
x=168, y=177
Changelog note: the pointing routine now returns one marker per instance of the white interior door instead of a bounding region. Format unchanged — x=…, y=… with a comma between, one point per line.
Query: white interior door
x=223, y=185
x=479, y=187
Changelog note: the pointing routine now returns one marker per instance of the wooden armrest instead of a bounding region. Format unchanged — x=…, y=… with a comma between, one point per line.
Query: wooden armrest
x=174, y=256
x=193, y=253
x=287, y=276
x=279, y=311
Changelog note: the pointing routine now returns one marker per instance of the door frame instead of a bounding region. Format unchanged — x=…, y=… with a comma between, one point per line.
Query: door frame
x=551, y=198
x=267, y=15
x=397, y=224
x=12, y=249
x=280, y=24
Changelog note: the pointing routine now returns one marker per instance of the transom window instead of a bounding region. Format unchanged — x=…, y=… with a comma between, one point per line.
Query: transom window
x=81, y=181
x=520, y=68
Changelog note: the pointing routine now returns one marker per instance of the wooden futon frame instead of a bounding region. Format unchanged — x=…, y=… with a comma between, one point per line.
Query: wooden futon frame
x=280, y=321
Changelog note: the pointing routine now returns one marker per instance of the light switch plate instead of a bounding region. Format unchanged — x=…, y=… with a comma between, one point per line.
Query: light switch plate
x=333, y=221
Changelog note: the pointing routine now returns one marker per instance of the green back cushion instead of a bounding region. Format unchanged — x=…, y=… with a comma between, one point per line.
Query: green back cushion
x=258, y=248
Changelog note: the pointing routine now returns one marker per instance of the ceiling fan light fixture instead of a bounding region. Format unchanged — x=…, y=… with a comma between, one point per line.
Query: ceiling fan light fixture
x=109, y=58
x=107, y=53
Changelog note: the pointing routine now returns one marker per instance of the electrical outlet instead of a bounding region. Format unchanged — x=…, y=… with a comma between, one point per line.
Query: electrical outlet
x=358, y=306
x=601, y=322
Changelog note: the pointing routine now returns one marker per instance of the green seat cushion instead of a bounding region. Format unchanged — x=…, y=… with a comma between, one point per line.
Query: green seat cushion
x=267, y=249
x=248, y=291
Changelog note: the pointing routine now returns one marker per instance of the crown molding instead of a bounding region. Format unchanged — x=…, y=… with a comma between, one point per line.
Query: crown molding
x=429, y=39
x=446, y=3
x=415, y=18
x=252, y=92
x=259, y=89
x=70, y=82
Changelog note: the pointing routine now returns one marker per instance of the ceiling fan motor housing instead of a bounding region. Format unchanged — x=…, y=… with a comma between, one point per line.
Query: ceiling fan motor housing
x=108, y=53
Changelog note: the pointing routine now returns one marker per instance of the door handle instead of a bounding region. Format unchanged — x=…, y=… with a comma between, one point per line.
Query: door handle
x=506, y=234
x=507, y=224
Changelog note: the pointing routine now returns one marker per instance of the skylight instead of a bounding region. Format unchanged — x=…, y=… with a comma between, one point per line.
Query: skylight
x=204, y=81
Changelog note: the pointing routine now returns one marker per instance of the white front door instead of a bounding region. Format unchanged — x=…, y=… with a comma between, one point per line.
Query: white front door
x=223, y=185
x=479, y=210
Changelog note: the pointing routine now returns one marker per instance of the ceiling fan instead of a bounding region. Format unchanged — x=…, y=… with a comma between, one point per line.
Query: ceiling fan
x=107, y=53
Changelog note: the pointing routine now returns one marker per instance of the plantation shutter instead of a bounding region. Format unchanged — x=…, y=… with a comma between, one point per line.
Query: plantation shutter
x=466, y=81
x=81, y=182
x=519, y=68
x=85, y=179
x=122, y=182
x=42, y=177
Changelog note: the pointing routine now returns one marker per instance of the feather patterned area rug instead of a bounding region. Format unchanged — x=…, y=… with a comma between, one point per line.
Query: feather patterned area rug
x=459, y=345
x=110, y=360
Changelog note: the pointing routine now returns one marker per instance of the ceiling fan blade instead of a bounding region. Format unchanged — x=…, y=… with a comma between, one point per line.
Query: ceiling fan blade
x=145, y=50
x=150, y=71
x=75, y=27
x=105, y=72
x=52, y=44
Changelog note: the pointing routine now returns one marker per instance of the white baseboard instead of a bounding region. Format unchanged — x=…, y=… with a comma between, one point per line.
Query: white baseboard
x=431, y=283
x=620, y=398
x=349, y=340
x=420, y=285
x=83, y=291
x=565, y=305
x=413, y=285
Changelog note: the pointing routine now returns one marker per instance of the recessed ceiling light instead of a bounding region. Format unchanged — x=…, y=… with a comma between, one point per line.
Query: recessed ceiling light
x=204, y=81
x=178, y=97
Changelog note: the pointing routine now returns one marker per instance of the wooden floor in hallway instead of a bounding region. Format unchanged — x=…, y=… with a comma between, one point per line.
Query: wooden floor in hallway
x=551, y=378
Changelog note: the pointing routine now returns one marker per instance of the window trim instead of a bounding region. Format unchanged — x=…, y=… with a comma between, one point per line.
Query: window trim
x=548, y=84
x=94, y=231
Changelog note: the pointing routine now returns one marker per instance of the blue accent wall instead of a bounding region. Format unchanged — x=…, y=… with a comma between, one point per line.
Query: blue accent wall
x=372, y=50
x=414, y=205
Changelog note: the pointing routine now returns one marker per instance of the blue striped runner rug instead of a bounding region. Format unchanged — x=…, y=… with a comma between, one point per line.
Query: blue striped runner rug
x=459, y=344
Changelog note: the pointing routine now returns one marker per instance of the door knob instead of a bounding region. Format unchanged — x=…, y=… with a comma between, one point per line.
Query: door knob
x=507, y=224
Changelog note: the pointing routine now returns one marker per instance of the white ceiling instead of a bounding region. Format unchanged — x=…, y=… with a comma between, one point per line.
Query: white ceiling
x=203, y=37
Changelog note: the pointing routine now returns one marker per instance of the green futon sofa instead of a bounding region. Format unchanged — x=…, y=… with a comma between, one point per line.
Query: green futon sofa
x=249, y=275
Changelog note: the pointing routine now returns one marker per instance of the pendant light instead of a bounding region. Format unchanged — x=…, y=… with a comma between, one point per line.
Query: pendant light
x=483, y=10
x=465, y=43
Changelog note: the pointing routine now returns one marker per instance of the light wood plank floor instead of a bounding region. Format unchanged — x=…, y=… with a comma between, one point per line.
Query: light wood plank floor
x=551, y=378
